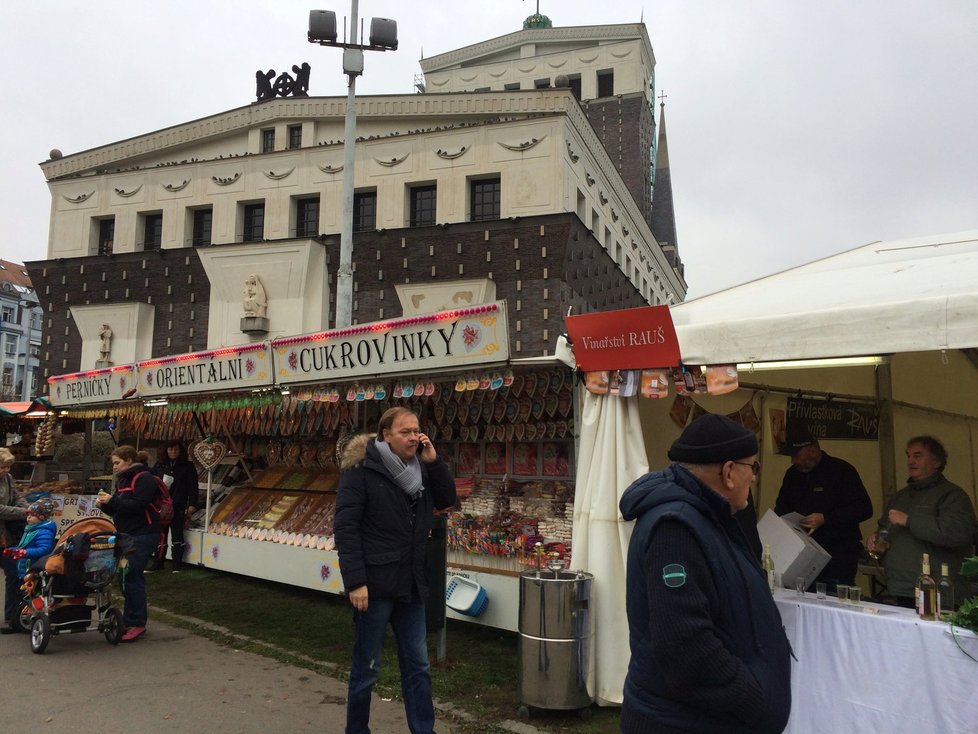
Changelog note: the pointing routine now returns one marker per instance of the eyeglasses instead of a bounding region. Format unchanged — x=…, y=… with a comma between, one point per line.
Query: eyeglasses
x=755, y=467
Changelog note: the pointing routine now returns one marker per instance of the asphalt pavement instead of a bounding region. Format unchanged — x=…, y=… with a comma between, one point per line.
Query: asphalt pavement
x=170, y=680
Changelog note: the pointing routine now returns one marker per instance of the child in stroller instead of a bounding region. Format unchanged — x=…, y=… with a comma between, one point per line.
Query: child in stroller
x=37, y=541
x=69, y=590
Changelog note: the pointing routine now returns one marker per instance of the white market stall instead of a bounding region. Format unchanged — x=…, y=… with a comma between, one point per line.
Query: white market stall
x=911, y=306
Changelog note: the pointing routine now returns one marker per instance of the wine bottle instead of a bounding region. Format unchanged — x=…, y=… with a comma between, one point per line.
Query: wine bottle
x=945, y=593
x=767, y=563
x=926, y=591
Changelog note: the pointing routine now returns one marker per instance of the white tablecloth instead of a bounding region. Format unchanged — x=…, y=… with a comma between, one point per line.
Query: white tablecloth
x=877, y=669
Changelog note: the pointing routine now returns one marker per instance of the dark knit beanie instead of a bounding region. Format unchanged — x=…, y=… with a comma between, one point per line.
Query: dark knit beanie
x=713, y=439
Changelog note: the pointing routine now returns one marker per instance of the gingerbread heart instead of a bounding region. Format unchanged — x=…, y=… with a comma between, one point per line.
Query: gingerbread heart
x=209, y=453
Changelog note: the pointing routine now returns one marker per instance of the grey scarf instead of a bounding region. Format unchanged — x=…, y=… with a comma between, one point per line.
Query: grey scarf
x=406, y=476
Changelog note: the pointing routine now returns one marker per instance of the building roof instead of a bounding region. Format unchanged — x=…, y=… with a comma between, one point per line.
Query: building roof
x=15, y=274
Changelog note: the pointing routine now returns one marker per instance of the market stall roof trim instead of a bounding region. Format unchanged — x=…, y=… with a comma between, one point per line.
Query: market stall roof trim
x=908, y=295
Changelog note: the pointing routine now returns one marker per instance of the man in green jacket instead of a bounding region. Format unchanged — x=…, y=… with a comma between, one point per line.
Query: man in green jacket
x=929, y=515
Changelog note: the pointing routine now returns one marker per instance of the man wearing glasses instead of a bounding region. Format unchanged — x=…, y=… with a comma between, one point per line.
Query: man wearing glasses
x=390, y=484
x=709, y=652
x=830, y=496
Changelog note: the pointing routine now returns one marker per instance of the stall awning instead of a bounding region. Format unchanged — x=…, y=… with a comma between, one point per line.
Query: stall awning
x=38, y=405
x=909, y=295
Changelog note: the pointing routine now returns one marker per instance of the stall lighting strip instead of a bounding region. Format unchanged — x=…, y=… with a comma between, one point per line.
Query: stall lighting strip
x=91, y=373
x=193, y=356
x=795, y=364
x=381, y=326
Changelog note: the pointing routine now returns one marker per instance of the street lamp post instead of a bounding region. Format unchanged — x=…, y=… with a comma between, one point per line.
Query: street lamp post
x=383, y=37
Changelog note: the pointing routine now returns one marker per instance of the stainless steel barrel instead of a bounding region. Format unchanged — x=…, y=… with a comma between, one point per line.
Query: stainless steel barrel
x=556, y=639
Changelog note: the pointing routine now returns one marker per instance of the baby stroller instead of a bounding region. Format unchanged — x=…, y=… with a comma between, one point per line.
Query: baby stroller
x=69, y=590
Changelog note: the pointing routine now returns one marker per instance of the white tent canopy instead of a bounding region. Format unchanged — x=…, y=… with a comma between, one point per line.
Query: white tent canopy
x=909, y=295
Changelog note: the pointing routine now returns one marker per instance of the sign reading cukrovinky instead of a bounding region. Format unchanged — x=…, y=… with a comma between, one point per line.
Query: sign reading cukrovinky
x=92, y=387
x=629, y=339
x=461, y=338
x=230, y=368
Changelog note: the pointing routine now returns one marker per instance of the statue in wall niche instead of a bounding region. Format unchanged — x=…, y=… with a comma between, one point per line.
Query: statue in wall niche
x=105, y=343
x=255, y=303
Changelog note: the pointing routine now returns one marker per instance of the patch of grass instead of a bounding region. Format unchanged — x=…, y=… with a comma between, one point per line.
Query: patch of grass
x=314, y=630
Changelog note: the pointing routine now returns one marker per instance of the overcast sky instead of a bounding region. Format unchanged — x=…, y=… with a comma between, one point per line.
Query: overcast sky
x=796, y=129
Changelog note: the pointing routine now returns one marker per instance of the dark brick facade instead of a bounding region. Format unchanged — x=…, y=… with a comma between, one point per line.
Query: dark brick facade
x=541, y=266
x=626, y=127
x=171, y=280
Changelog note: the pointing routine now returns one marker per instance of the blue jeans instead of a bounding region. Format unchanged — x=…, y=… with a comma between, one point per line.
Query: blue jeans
x=408, y=623
x=133, y=583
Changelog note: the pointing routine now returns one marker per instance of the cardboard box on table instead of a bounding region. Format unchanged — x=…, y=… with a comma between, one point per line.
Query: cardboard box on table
x=792, y=549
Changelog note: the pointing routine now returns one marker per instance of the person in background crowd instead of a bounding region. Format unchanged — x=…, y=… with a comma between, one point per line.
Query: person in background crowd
x=129, y=507
x=833, y=501
x=930, y=515
x=709, y=652
x=389, y=485
x=13, y=518
x=180, y=475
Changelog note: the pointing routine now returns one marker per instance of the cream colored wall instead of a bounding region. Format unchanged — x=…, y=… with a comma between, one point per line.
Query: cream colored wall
x=631, y=66
x=921, y=378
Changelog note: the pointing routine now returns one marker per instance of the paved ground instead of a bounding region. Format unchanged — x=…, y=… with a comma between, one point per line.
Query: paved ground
x=173, y=680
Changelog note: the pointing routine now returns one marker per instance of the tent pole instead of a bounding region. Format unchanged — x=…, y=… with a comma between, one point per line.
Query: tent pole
x=887, y=449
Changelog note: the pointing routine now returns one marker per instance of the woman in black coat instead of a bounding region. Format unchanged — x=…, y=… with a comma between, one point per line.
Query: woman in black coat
x=180, y=473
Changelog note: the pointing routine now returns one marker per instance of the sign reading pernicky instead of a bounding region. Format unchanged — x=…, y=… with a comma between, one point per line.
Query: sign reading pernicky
x=231, y=368
x=92, y=387
x=834, y=419
x=461, y=338
x=630, y=339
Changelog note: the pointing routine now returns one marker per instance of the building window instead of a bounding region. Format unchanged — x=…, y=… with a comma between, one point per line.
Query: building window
x=35, y=351
x=33, y=382
x=542, y=84
x=295, y=136
x=574, y=82
x=152, y=231
x=254, y=223
x=203, y=222
x=7, y=314
x=422, y=200
x=268, y=140
x=606, y=83
x=307, y=217
x=485, y=197
x=512, y=87
x=106, y=235
x=10, y=345
x=364, y=211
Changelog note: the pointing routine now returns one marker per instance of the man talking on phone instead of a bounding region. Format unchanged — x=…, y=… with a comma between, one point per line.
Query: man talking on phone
x=389, y=485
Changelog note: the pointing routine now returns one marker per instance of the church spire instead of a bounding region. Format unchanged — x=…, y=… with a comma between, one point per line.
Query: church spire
x=663, y=214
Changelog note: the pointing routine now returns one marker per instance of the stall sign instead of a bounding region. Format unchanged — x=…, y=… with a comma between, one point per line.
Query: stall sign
x=90, y=388
x=629, y=339
x=451, y=340
x=230, y=368
x=834, y=419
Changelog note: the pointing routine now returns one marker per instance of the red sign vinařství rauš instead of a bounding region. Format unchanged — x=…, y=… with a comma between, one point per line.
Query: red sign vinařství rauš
x=630, y=339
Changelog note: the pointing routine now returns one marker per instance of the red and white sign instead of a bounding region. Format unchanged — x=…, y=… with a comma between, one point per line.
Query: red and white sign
x=630, y=339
